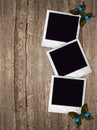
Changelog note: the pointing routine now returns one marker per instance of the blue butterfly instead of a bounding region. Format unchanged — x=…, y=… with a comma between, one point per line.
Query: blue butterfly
x=80, y=10
x=84, y=115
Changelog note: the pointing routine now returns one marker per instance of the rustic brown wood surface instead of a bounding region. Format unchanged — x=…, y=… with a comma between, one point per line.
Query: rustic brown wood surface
x=25, y=71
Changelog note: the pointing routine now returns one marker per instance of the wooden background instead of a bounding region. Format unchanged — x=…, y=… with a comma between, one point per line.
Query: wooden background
x=25, y=72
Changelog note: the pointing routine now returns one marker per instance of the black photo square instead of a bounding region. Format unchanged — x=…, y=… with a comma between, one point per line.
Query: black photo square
x=69, y=60
x=66, y=94
x=60, y=28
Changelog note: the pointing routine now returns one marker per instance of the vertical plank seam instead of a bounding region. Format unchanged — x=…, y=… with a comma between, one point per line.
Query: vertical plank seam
x=26, y=63
x=4, y=65
x=14, y=61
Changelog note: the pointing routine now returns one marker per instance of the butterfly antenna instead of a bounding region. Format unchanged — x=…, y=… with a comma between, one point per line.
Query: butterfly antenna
x=83, y=3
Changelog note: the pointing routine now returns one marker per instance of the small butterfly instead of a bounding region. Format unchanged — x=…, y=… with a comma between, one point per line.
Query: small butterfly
x=80, y=10
x=84, y=115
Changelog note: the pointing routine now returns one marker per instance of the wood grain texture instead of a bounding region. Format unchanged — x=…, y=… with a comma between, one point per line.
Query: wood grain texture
x=20, y=65
x=7, y=105
x=25, y=72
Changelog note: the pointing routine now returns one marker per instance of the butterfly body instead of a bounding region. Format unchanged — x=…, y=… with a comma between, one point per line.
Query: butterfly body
x=80, y=10
x=79, y=117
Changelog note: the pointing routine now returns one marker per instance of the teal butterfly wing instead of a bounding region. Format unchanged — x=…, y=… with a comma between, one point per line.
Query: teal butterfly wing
x=90, y=15
x=85, y=18
x=79, y=124
x=82, y=22
x=73, y=115
x=84, y=109
x=84, y=112
x=74, y=11
x=76, y=118
x=79, y=10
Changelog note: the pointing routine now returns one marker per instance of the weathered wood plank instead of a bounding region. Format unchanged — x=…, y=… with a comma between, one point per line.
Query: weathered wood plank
x=20, y=65
x=35, y=89
x=39, y=70
x=7, y=106
x=89, y=40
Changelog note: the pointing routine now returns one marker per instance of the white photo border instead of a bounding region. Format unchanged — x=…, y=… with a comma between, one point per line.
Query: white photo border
x=78, y=73
x=53, y=43
x=65, y=109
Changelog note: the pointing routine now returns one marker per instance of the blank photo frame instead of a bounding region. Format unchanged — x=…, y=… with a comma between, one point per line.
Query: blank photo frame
x=66, y=94
x=69, y=60
x=60, y=28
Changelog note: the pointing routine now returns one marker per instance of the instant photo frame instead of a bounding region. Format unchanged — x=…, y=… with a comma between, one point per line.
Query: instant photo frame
x=60, y=28
x=66, y=94
x=69, y=60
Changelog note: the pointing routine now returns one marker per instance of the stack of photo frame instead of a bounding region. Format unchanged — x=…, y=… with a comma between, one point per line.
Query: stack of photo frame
x=68, y=60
